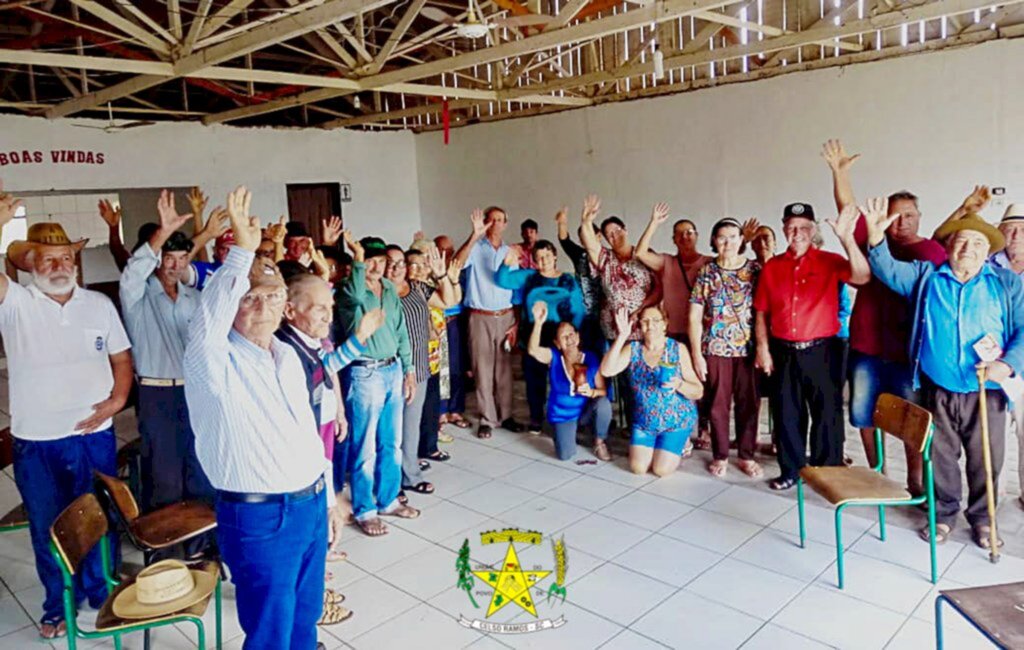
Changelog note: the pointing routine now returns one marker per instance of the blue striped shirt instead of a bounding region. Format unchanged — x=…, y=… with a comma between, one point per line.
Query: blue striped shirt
x=343, y=355
x=249, y=406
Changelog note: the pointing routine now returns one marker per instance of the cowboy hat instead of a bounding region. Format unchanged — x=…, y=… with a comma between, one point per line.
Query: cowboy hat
x=47, y=233
x=973, y=222
x=1014, y=212
x=163, y=588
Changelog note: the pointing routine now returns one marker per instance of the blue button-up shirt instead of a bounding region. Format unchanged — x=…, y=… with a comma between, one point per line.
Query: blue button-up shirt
x=249, y=406
x=1000, y=260
x=957, y=315
x=481, y=290
x=157, y=325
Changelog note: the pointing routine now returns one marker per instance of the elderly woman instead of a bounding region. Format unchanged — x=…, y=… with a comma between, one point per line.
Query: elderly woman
x=578, y=392
x=562, y=295
x=416, y=298
x=722, y=326
x=665, y=389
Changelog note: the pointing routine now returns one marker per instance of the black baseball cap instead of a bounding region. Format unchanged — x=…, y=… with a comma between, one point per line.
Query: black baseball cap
x=804, y=210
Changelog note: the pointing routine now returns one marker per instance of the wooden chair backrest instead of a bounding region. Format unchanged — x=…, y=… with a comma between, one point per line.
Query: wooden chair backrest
x=6, y=448
x=908, y=422
x=120, y=495
x=78, y=529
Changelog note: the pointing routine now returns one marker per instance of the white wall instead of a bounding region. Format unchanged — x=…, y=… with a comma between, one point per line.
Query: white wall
x=935, y=124
x=381, y=167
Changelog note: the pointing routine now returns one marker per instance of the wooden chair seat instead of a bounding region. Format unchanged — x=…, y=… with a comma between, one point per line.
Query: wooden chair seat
x=173, y=524
x=994, y=609
x=16, y=518
x=851, y=484
x=107, y=621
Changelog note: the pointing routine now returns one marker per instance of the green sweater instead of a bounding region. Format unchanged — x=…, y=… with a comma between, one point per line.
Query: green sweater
x=354, y=299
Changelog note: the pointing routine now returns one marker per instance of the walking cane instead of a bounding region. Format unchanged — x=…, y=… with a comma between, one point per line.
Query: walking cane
x=986, y=454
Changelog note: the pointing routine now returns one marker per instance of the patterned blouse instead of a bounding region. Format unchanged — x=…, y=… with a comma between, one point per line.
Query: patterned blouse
x=626, y=284
x=656, y=409
x=417, y=321
x=727, y=296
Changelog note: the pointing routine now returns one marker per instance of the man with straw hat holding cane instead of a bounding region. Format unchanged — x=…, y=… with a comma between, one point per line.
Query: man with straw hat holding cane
x=968, y=327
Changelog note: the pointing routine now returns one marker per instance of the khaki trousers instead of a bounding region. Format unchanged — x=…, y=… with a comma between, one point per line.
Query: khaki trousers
x=492, y=366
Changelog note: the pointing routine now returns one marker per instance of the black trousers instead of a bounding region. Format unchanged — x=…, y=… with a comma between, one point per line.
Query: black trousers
x=430, y=422
x=170, y=469
x=536, y=375
x=808, y=380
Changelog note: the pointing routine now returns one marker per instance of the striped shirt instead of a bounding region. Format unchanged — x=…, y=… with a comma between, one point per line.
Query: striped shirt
x=249, y=406
x=417, y=322
x=343, y=355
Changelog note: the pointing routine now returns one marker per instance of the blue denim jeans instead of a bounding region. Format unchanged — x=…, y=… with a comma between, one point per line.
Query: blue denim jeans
x=50, y=474
x=276, y=552
x=374, y=404
x=597, y=412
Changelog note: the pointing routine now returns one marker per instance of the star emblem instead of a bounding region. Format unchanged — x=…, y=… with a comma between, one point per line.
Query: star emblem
x=511, y=583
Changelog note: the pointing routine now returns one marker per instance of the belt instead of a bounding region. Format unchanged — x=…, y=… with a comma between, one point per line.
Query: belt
x=257, y=497
x=484, y=312
x=449, y=319
x=374, y=363
x=160, y=383
x=800, y=345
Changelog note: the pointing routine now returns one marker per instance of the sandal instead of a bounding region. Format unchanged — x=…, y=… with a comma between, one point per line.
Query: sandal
x=484, y=432
x=781, y=483
x=53, y=630
x=459, y=421
x=440, y=456
x=424, y=465
x=403, y=512
x=445, y=437
x=422, y=487
x=702, y=444
x=372, y=527
x=751, y=468
x=982, y=536
x=331, y=597
x=337, y=556
x=404, y=500
x=687, y=449
x=334, y=614
x=942, y=533
x=717, y=468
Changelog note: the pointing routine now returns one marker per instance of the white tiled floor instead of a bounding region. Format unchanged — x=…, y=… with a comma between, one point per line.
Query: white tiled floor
x=685, y=561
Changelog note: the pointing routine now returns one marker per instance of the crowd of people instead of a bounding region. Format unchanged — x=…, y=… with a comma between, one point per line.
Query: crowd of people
x=278, y=370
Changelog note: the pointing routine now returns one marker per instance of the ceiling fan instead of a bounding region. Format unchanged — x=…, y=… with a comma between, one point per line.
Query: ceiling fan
x=476, y=25
x=112, y=125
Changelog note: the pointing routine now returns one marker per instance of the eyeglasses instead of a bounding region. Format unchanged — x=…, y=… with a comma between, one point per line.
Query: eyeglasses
x=395, y=265
x=275, y=299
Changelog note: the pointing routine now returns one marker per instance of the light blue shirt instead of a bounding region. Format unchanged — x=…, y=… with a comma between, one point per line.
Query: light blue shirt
x=482, y=292
x=249, y=406
x=957, y=315
x=157, y=325
x=1000, y=260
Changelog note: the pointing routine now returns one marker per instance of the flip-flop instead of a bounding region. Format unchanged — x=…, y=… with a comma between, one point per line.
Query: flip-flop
x=942, y=533
x=982, y=537
x=718, y=468
x=334, y=614
x=440, y=456
x=332, y=597
x=51, y=630
x=337, y=556
x=422, y=487
x=780, y=484
x=372, y=527
x=460, y=422
x=751, y=468
x=403, y=512
x=445, y=438
x=424, y=465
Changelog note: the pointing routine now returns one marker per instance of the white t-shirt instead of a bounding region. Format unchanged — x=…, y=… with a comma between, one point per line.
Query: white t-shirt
x=58, y=358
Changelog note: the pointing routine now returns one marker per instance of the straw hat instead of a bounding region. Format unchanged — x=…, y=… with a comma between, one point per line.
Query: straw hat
x=47, y=233
x=973, y=222
x=1014, y=212
x=163, y=588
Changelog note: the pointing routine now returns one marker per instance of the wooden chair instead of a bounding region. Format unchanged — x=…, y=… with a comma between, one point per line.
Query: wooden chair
x=993, y=610
x=17, y=518
x=867, y=486
x=78, y=530
x=157, y=530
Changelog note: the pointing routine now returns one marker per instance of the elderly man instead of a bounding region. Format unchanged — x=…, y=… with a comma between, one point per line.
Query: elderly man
x=157, y=309
x=797, y=303
x=70, y=371
x=373, y=388
x=257, y=439
x=492, y=323
x=880, y=324
x=966, y=313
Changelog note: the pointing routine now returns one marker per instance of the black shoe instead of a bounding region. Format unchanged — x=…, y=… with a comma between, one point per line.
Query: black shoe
x=782, y=483
x=320, y=645
x=513, y=426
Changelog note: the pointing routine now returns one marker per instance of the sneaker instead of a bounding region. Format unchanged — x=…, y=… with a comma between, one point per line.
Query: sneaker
x=534, y=429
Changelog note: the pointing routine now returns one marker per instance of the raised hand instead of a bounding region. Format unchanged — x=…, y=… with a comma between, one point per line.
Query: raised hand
x=330, y=230
x=197, y=200
x=540, y=311
x=317, y=257
x=659, y=213
x=749, y=229
x=358, y=254
x=843, y=225
x=371, y=322
x=591, y=207
x=977, y=200
x=835, y=155
x=276, y=232
x=246, y=228
x=877, y=219
x=454, y=270
x=109, y=214
x=8, y=206
x=512, y=257
x=623, y=322
x=435, y=262
x=217, y=223
x=170, y=220
x=562, y=216
x=479, y=225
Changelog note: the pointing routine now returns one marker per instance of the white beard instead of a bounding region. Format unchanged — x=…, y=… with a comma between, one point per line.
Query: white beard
x=55, y=287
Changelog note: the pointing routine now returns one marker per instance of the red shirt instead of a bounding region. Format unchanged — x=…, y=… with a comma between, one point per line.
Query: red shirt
x=801, y=295
x=880, y=323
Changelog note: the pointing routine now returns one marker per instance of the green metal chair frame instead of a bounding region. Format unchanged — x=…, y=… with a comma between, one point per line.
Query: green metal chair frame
x=71, y=612
x=928, y=497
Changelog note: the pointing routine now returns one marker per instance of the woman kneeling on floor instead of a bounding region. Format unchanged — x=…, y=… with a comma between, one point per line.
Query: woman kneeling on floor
x=665, y=390
x=578, y=393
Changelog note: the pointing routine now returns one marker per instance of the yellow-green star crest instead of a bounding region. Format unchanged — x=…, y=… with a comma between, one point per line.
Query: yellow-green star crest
x=511, y=583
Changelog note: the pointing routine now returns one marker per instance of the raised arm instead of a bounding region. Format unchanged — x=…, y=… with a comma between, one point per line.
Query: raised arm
x=355, y=345
x=479, y=230
x=617, y=358
x=842, y=188
x=843, y=225
x=898, y=276
x=509, y=276
x=533, y=346
x=354, y=286
x=8, y=206
x=446, y=294
x=112, y=217
x=216, y=225
x=198, y=200
x=146, y=259
x=973, y=204
x=653, y=261
x=591, y=208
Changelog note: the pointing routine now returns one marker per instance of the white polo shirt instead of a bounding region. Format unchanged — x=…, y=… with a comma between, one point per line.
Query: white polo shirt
x=58, y=358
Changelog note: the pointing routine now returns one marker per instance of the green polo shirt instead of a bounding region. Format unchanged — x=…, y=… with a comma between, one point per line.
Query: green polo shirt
x=354, y=299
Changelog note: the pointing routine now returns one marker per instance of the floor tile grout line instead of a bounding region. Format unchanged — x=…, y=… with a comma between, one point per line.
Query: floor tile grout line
x=632, y=631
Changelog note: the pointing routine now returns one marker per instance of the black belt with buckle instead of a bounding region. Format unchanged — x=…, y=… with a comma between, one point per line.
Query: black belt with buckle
x=800, y=345
x=257, y=497
x=374, y=363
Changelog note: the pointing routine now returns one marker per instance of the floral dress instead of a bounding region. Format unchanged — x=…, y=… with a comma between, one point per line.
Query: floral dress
x=626, y=284
x=656, y=410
